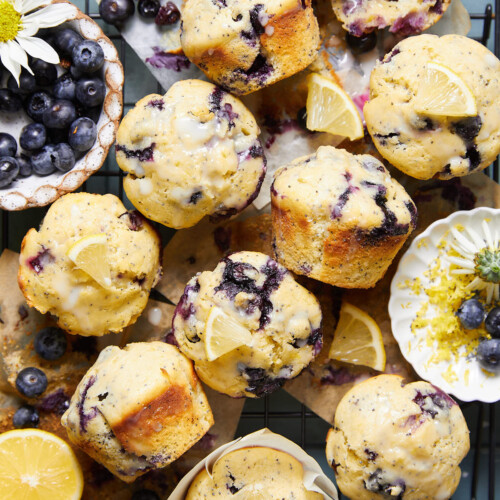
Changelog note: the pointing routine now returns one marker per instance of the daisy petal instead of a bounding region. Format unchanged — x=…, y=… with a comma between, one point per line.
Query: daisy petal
x=489, y=293
x=496, y=292
x=461, y=251
x=10, y=64
x=36, y=47
x=28, y=29
x=462, y=271
x=52, y=15
x=18, y=54
x=487, y=233
x=466, y=264
x=25, y=6
x=476, y=284
x=463, y=241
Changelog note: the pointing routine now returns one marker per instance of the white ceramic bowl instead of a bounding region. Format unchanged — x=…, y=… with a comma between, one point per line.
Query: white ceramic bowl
x=403, y=306
x=37, y=191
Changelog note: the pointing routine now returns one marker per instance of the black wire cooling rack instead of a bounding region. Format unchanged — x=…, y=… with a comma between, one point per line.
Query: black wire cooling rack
x=280, y=412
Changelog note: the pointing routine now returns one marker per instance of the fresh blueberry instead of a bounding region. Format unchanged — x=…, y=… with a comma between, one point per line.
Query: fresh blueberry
x=61, y=114
x=75, y=72
x=116, y=11
x=50, y=343
x=82, y=134
x=145, y=495
x=9, y=169
x=492, y=322
x=471, y=314
x=302, y=118
x=361, y=44
x=45, y=73
x=8, y=145
x=31, y=382
x=65, y=157
x=148, y=8
x=88, y=56
x=37, y=104
x=25, y=169
x=64, y=87
x=44, y=162
x=33, y=136
x=9, y=101
x=26, y=417
x=90, y=91
x=66, y=39
x=168, y=14
x=27, y=83
x=488, y=355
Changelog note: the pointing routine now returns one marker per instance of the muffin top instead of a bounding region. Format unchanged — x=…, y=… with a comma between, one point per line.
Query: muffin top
x=282, y=318
x=150, y=415
x=401, y=440
x=191, y=153
x=405, y=17
x=256, y=472
x=52, y=281
x=354, y=191
x=424, y=145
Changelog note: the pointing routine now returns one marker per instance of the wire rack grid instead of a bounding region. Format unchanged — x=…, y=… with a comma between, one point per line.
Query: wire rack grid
x=280, y=412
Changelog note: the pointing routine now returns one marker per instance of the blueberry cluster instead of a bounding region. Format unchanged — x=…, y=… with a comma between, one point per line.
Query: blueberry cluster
x=64, y=109
x=116, y=12
x=471, y=314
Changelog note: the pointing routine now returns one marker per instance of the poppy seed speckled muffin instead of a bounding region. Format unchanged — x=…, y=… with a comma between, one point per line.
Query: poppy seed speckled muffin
x=424, y=145
x=256, y=472
x=339, y=218
x=283, y=319
x=130, y=255
x=392, y=440
x=244, y=45
x=192, y=153
x=138, y=408
x=405, y=17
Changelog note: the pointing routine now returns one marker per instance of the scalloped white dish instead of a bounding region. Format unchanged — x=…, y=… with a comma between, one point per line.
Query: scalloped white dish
x=468, y=382
x=37, y=191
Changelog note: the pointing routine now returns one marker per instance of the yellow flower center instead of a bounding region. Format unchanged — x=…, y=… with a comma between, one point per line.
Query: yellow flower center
x=9, y=21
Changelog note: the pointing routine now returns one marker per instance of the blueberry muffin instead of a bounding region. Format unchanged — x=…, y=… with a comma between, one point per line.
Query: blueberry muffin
x=244, y=45
x=255, y=293
x=405, y=17
x=427, y=146
x=255, y=472
x=138, y=408
x=339, y=218
x=191, y=153
x=392, y=440
x=124, y=267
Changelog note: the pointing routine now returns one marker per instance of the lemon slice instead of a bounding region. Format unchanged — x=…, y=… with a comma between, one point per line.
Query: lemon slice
x=90, y=255
x=223, y=334
x=442, y=92
x=330, y=109
x=357, y=339
x=38, y=465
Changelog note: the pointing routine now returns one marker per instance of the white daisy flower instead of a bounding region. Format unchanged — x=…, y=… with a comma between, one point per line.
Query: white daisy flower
x=19, y=21
x=479, y=256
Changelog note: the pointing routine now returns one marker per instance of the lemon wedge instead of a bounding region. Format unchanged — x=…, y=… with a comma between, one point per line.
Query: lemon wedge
x=357, y=339
x=330, y=109
x=38, y=465
x=442, y=92
x=223, y=334
x=90, y=255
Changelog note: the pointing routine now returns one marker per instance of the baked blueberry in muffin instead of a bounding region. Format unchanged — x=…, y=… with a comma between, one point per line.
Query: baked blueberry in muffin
x=138, y=409
x=244, y=45
x=250, y=293
x=392, y=440
x=405, y=17
x=339, y=218
x=91, y=264
x=427, y=145
x=192, y=153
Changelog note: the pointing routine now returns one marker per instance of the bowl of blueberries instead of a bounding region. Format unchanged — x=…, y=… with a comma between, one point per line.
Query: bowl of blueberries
x=57, y=124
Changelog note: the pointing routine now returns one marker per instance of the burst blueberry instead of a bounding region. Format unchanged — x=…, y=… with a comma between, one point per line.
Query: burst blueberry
x=25, y=169
x=61, y=114
x=361, y=44
x=50, y=343
x=65, y=87
x=43, y=162
x=26, y=417
x=82, y=134
x=37, y=104
x=88, y=56
x=492, y=322
x=31, y=382
x=8, y=145
x=471, y=314
x=33, y=136
x=65, y=157
x=90, y=91
x=9, y=169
